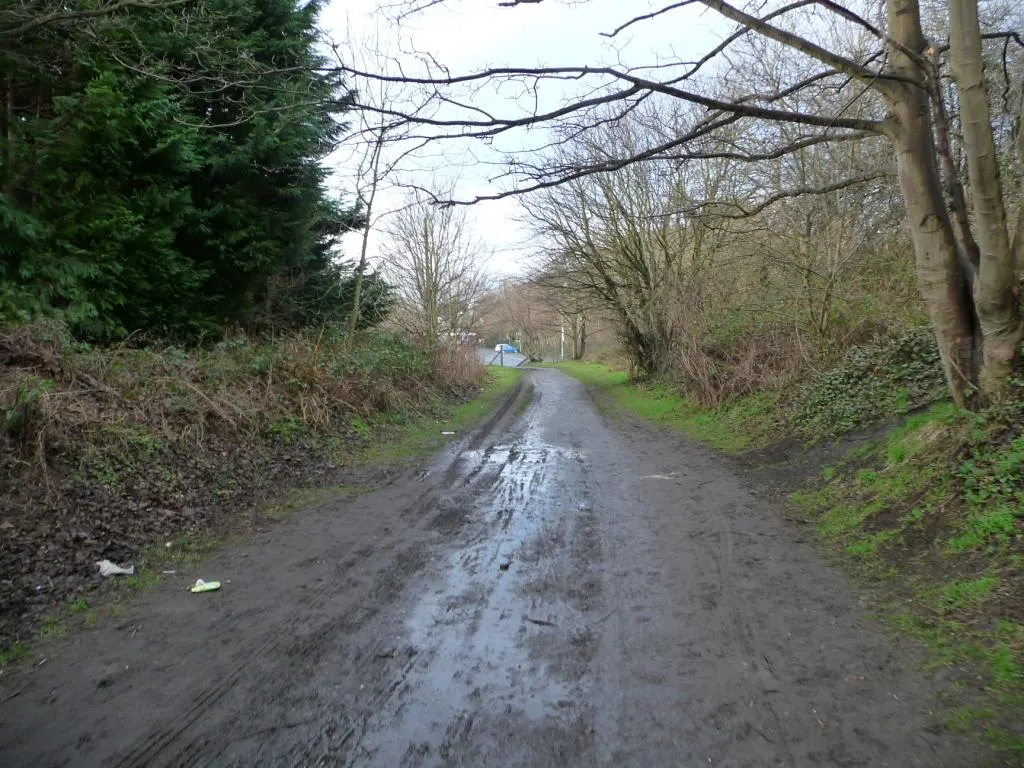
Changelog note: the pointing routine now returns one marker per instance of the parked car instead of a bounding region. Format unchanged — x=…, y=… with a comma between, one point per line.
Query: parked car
x=508, y=349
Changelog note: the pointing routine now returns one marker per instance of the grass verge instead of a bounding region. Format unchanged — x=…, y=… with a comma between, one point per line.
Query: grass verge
x=739, y=425
x=423, y=434
x=932, y=512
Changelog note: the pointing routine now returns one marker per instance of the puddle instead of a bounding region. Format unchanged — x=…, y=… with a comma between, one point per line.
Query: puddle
x=474, y=630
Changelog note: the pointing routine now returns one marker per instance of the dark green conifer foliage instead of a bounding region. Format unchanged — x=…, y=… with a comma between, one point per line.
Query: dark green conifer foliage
x=160, y=171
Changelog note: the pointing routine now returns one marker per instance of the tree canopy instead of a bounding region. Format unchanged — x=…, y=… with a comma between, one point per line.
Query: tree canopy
x=934, y=91
x=160, y=167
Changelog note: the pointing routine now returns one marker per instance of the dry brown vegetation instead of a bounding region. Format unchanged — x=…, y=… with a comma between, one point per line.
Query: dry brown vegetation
x=105, y=453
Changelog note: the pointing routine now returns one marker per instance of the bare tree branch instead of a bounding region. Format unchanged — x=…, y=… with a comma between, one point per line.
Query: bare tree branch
x=745, y=212
x=646, y=17
x=834, y=60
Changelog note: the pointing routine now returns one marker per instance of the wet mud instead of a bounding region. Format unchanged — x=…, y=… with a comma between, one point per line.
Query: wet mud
x=555, y=590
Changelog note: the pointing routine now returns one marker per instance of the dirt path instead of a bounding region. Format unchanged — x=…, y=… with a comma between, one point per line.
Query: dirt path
x=555, y=591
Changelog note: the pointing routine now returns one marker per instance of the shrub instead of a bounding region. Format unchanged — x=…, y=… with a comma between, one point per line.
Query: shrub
x=883, y=378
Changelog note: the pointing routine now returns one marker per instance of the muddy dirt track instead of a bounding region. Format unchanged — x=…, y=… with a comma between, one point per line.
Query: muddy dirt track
x=556, y=590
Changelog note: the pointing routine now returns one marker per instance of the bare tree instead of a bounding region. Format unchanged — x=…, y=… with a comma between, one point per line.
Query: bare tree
x=370, y=171
x=567, y=307
x=437, y=264
x=819, y=245
x=376, y=144
x=374, y=151
x=623, y=239
x=966, y=249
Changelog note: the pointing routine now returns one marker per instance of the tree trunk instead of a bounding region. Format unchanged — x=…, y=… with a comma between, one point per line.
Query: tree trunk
x=357, y=292
x=638, y=345
x=939, y=276
x=995, y=290
x=7, y=122
x=431, y=298
x=579, y=341
x=951, y=179
x=357, y=295
x=1018, y=238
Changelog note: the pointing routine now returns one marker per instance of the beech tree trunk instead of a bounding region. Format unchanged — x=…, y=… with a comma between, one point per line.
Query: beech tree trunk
x=1018, y=238
x=995, y=288
x=941, y=280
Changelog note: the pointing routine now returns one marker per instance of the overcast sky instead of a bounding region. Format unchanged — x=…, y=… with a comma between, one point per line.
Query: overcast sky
x=466, y=35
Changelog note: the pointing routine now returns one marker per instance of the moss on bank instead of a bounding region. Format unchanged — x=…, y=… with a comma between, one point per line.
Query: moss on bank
x=932, y=511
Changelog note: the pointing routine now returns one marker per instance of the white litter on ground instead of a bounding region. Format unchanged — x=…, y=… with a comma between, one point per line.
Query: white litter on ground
x=108, y=568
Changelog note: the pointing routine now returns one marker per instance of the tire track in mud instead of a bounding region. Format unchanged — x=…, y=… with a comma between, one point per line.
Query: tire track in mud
x=721, y=555
x=555, y=591
x=152, y=751
x=774, y=667
x=387, y=588
x=485, y=632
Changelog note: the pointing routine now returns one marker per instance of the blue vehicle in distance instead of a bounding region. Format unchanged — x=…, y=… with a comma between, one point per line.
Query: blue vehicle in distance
x=508, y=349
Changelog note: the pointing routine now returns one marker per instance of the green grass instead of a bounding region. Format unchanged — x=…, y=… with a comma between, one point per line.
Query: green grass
x=964, y=719
x=910, y=512
x=287, y=429
x=81, y=611
x=182, y=553
x=992, y=655
x=994, y=497
x=878, y=478
x=916, y=435
x=362, y=428
x=867, y=548
x=79, y=605
x=52, y=628
x=960, y=594
x=745, y=423
x=307, y=498
x=12, y=654
x=422, y=435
